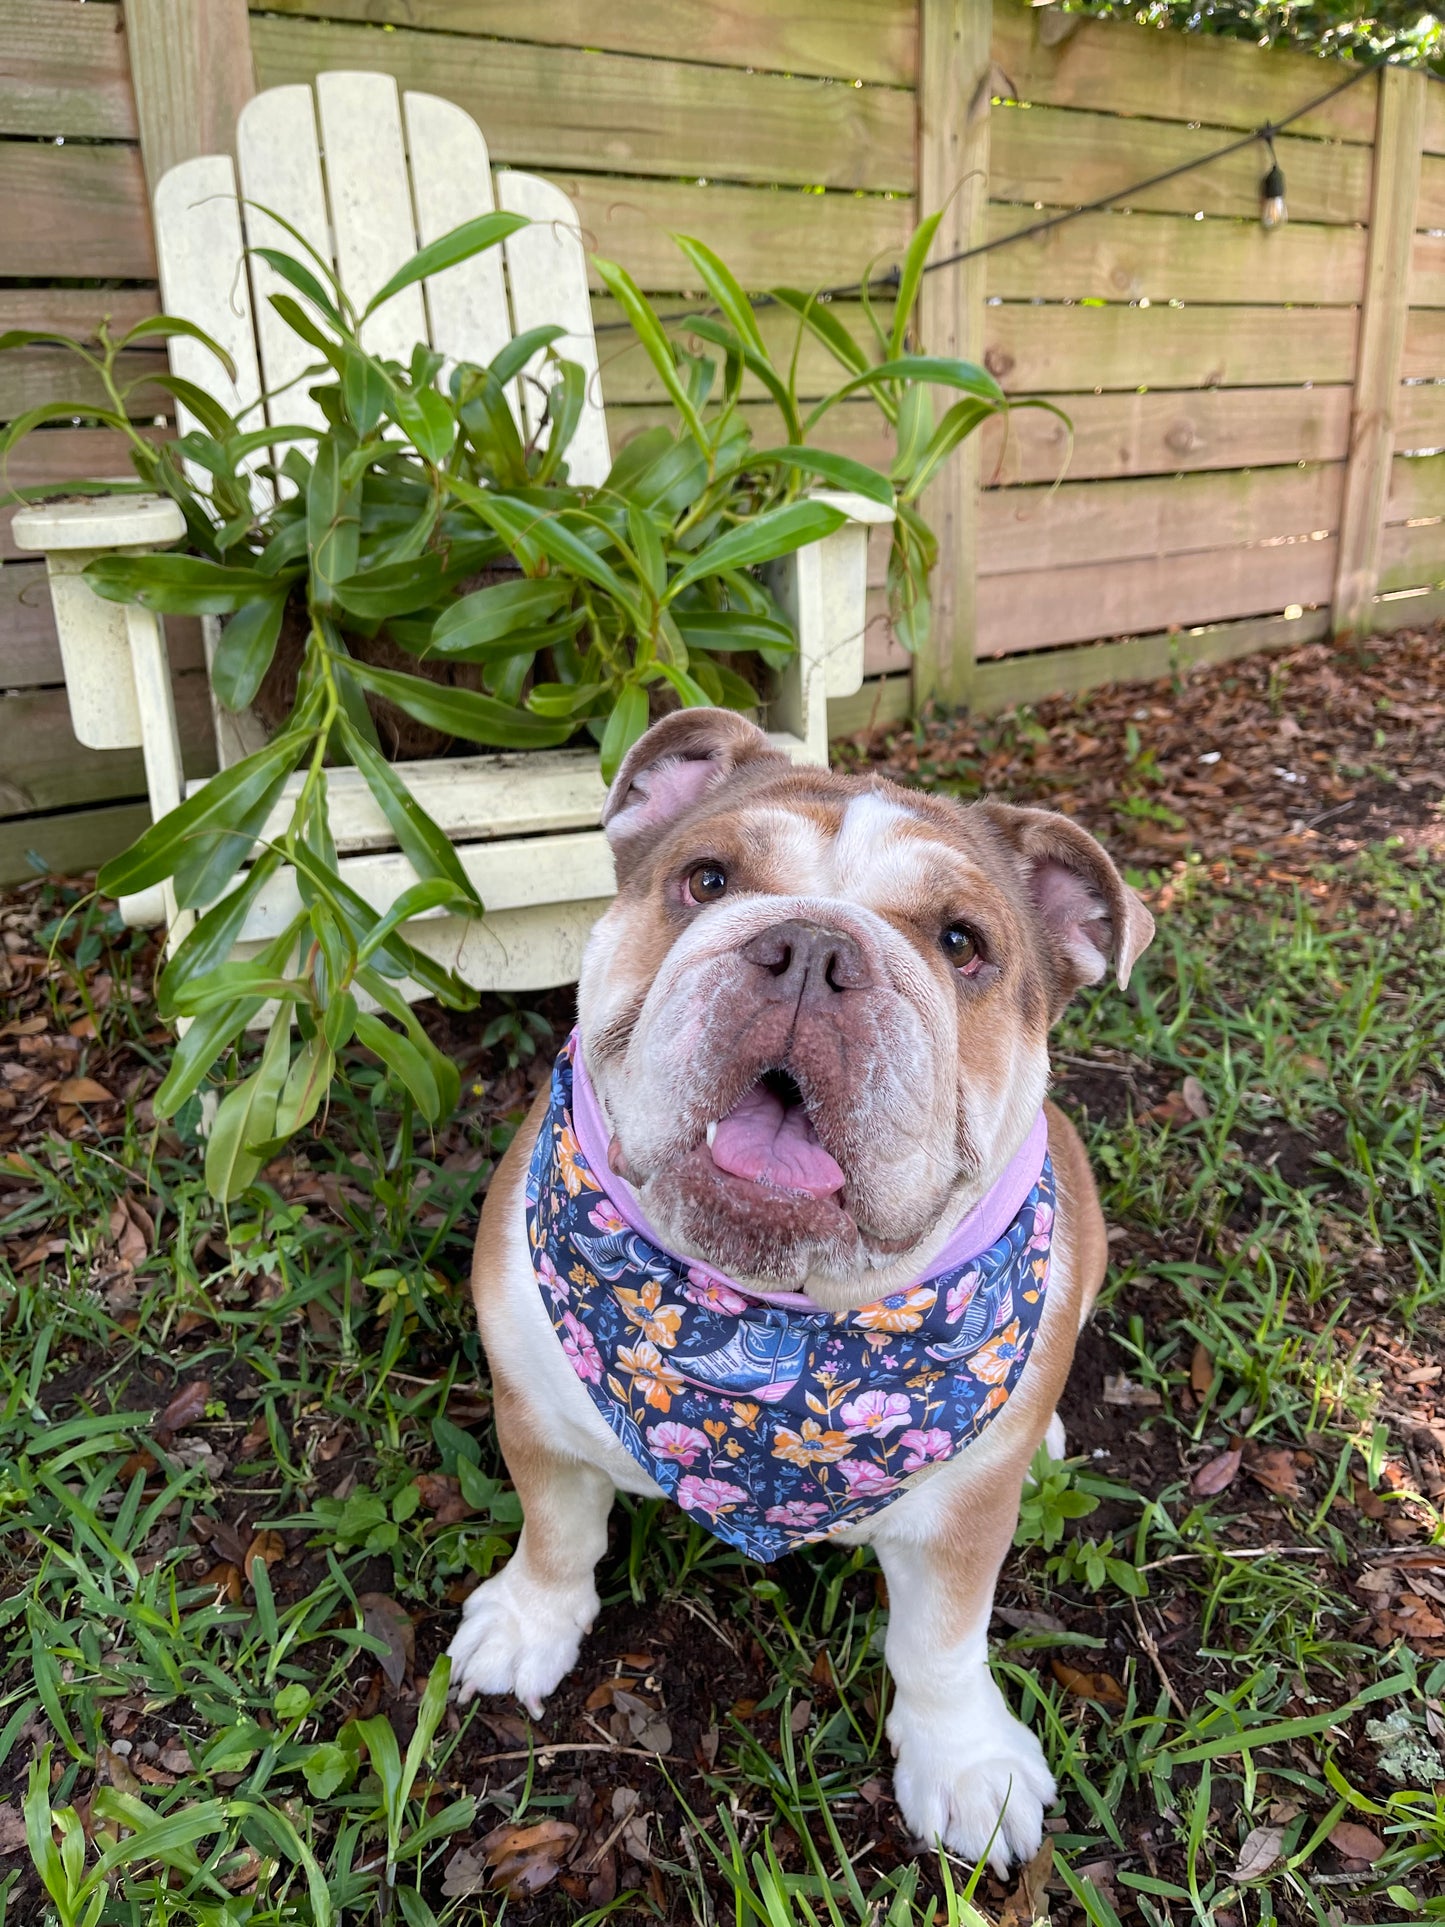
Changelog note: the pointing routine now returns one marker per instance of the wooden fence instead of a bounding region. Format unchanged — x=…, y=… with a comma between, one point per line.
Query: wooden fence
x=1252, y=412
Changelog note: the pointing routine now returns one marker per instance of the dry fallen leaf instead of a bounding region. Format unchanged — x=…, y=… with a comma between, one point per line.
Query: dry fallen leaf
x=1217, y=1474
x=268, y=1547
x=116, y=1769
x=442, y=1496
x=648, y=1728
x=12, y=1830
x=1029, y=1900
x=1260, y=1854
x=524, y=1860
x=1356, y=1842
x=1102, y=1687
x=1201, y=1371
x=1173, y=1110
x=382, y=1616
x=1196, y=1102
x=82, y=1090
x=1119, y=1389
x=185, y=1408
x=1276, y=1471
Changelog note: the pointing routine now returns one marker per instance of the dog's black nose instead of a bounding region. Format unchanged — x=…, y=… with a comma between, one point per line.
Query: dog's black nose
x=804, y=961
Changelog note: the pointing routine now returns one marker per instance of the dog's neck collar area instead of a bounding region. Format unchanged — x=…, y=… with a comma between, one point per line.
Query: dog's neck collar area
x=980, y=1228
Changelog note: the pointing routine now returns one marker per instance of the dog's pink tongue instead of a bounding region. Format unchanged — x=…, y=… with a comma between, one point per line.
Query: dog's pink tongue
x=761, y=1140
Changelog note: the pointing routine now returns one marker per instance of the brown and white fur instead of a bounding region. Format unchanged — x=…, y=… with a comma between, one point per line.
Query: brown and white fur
x=821, y=955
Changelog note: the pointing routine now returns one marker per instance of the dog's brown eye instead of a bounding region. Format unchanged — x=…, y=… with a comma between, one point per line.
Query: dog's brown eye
x=961, y=946
x=707, y=883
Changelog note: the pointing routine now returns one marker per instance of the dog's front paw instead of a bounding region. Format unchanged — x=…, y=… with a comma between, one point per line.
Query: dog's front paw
x=975, y=1779
x=520, y=1637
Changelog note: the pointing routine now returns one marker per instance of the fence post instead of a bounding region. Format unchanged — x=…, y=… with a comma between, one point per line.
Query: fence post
x=1399, y=126
x=191, y=67
x=955, y=63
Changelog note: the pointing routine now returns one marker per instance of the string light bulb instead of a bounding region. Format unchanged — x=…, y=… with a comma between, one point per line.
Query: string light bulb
x=1273, y=212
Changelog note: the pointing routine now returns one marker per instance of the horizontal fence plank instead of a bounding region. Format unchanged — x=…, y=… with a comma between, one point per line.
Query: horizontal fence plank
x=29, y=651
x=1043, y=608
x=1088, y=522
x=1427, y=272
x=70, y=842
x=848, y=39
x=46, y=769
x=59, y=455
x=1064, y=159
x=1415, y=609
x=63, y=70
x=1164, y=257
x=1412, y=555
x=1055, y=347
x=1424, y=352
x=1012, y=680
x=1430, y=204
x=77, y=212
x=1119, y=68
x=1165, y=434
x=30, y=377
x=766, y=237
x=1420, y=424
x=1417, y=487
x=552, y=107
x=76, y=311
x=882, y=699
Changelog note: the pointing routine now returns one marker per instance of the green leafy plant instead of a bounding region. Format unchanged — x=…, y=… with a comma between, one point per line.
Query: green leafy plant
x=418, y=524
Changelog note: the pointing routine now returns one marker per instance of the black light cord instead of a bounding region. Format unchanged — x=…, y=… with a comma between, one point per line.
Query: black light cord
x=891, y=278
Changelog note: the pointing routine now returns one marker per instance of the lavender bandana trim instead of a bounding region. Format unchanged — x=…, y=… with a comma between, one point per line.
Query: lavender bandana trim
x=774, y=1426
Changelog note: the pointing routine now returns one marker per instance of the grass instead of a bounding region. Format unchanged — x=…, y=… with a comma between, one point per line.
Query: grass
x=246, y=1476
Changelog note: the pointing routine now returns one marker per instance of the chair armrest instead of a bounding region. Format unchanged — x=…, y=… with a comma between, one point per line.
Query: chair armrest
x=857, y=508
x=99, y=523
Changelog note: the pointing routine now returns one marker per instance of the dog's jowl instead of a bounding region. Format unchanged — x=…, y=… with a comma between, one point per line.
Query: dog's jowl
x=793, y=1237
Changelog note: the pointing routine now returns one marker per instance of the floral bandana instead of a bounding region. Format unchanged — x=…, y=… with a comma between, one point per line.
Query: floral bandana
x=770, y=1424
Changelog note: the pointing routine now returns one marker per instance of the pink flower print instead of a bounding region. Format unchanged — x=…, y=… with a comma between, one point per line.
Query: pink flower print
x=556, y=1287
x=876, y=1412
x=961, y=1296
x=606, y=1218
x=997, y=1358
x=582, y=1354
x=711, y=1294
x=924, y=1447
x=864, y=1478
x=800, y=1513
x=711, y=1496
x=671, y=1440
x=1043, y=1228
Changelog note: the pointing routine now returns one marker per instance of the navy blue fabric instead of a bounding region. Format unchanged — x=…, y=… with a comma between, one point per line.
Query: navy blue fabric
x=771, y=1426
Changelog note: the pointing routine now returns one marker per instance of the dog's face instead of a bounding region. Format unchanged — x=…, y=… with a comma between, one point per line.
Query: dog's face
x=817, y=1012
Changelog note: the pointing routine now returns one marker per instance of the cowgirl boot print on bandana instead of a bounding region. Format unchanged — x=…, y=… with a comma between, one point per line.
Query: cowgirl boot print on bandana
x=773, y=1425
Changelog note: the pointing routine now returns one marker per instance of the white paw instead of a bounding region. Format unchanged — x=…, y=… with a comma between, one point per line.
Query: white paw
x=977, y=1782
x=1054, y=1438
x=519, y=1637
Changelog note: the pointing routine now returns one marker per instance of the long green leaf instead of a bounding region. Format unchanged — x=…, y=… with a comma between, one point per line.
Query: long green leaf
x=247, y=1116
x=427, y=849
x=395, y=588
x=166, y=327
x=520, y=523
x=732, y=629
x=245, y=649
x=460, y=244
x=461, y=712
x=410, y=1069
x=176, y=585
x=726, y=291
x=758, y=365
x=213, y=937
x=649, y=331
x=626, y=723
x=430, y=893
x=940, y=371
x=777, y=532
x=216, y=807
x=490, y=614
x=841, y=470
x=307, y=1082
x=821, y=320
x=910, y=279
x=301, y=277
x=333, y=522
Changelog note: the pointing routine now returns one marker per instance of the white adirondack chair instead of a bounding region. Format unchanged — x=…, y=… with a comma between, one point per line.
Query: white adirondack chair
x=369, y=177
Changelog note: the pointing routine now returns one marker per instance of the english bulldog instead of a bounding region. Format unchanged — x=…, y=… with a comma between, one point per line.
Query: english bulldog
x=794, y=1236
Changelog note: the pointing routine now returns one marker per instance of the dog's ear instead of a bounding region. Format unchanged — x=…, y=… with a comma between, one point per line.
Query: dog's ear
x=673, y=766
x=1088, y=914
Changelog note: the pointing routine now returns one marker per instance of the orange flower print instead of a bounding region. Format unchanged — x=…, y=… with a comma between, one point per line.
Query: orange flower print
x=994, y=1361
x=651, y=1373
x=900, y=1311
x=572, y=1166
x=659, y=1322
x=811, y=1446
x=746, y=1413
x=715, y=1428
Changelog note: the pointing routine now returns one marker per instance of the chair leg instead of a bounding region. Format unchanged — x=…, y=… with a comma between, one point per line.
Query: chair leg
x=160, y=739
x=800, y=704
